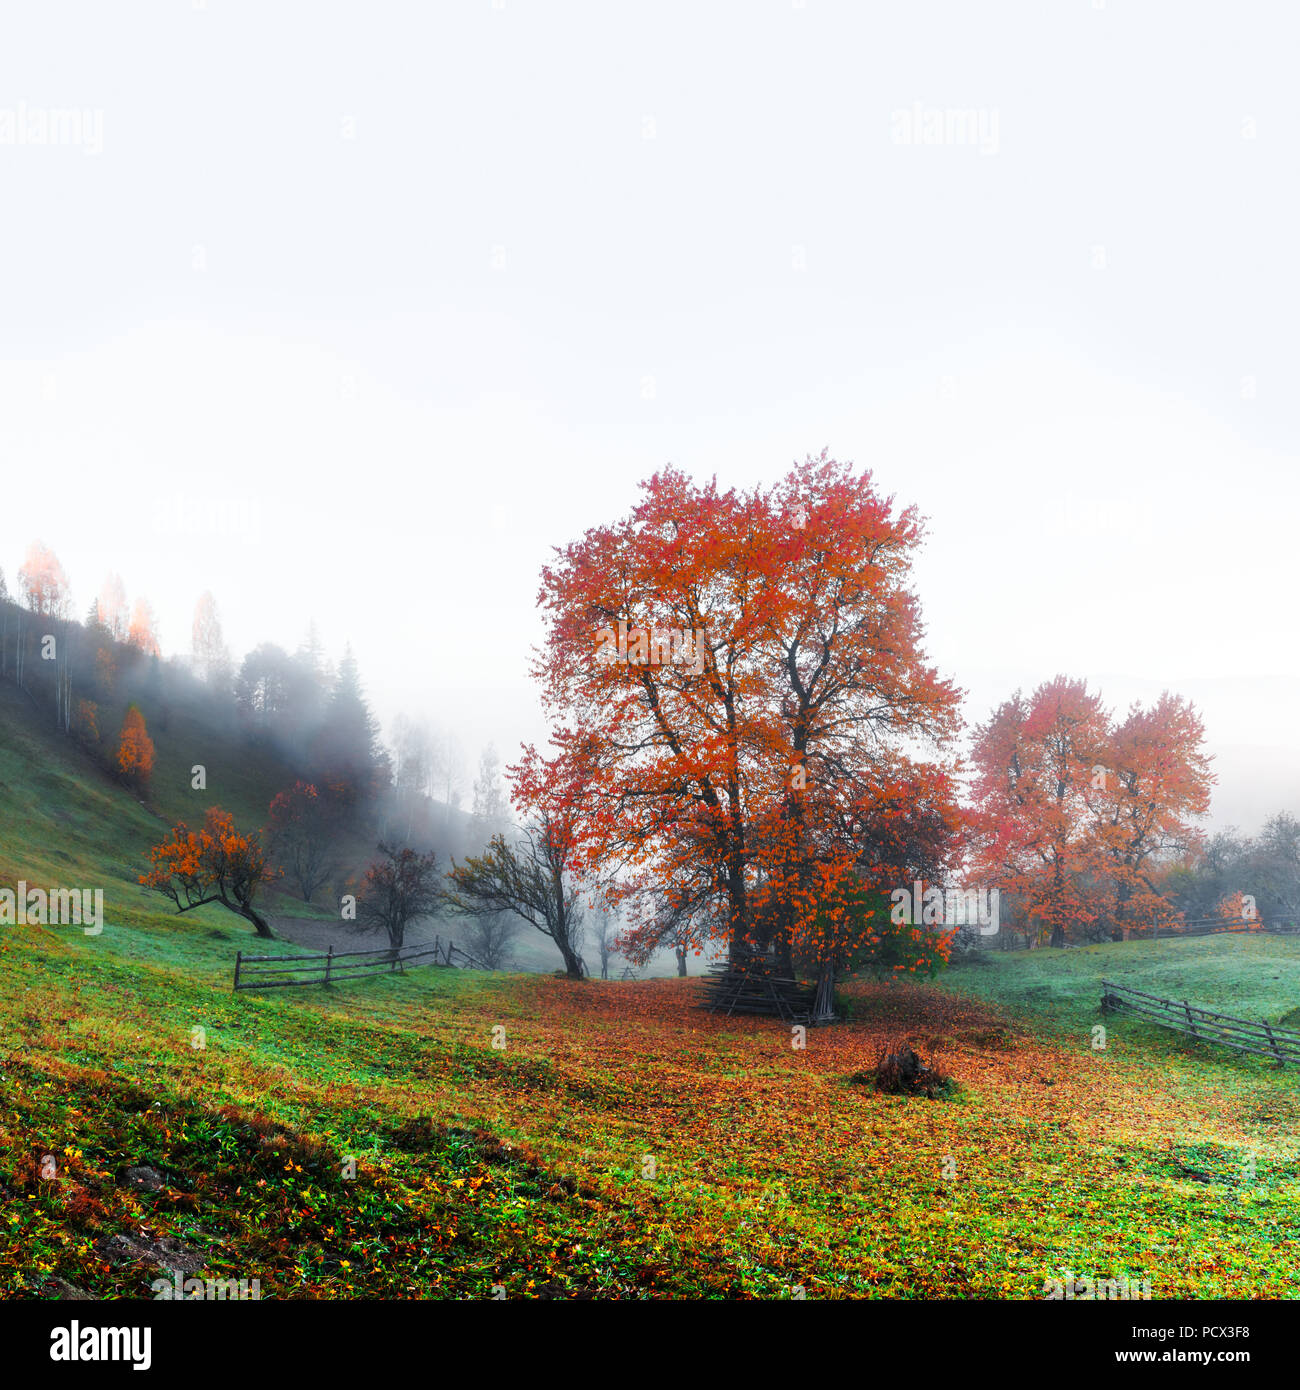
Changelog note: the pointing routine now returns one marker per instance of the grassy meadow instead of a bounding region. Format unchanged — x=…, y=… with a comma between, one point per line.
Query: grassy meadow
x=621, y=1143
x=462, y=1134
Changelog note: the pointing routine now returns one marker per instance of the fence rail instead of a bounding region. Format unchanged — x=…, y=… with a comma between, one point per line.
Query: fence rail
x=1280, y=1045
x=752, y=986
x=259, y=972
x=1206, y=926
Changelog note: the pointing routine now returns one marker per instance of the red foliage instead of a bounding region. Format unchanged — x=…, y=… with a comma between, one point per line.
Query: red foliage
x=736, y=674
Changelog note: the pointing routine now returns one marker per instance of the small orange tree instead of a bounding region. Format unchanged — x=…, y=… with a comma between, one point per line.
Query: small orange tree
x=85, y=724
x=105, y=671
x=135, y=749
x=218, y=864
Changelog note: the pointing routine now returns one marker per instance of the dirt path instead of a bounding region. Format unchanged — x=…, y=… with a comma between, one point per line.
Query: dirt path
x=320, y=936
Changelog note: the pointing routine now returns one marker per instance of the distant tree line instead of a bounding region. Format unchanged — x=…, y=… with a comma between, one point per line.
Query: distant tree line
x=103, y=681
x=1228, y=864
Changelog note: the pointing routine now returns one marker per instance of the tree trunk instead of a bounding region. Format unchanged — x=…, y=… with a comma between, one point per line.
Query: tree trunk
x=784, y=958
x=738, y=945
x=739, y=942
x=258, y=921
x=1058, y=935
x=572, y=964
x=681, y=960
x=824, y=1003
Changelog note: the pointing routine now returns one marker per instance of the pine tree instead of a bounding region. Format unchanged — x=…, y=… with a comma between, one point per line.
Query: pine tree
x=350, y=734
x=311, y=679
x=314, y=657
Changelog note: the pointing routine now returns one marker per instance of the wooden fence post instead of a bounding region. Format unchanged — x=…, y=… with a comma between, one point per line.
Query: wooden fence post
x=1272, y=1042
x=1191, y=1027
x=239, y=956
x=329, y=961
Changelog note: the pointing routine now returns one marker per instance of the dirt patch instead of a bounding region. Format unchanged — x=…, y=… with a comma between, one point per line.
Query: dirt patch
x=54, y=1287
x=422, y=1134
x=165, y=1252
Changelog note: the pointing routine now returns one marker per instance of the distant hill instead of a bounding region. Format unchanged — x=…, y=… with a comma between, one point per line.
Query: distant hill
x=66, y=822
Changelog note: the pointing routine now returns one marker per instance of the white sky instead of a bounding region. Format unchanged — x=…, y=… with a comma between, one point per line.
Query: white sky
x=359, y=309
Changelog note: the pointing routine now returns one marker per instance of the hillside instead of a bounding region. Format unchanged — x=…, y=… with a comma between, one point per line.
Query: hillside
x=67, y=822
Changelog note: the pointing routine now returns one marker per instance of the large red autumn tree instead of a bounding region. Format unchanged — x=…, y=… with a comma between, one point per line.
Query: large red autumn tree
x=1033, y=761
x=733, y=677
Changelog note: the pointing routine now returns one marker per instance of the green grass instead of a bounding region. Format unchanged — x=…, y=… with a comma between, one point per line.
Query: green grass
x=1251, y=977
x=1179, y=1168
x=524, y=1168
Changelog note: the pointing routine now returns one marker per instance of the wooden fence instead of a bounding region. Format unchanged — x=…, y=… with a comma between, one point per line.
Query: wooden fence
x=1207, y=926
x=1281, y=1045
x=752, y=986
x=1150, y=931
x=262, y=972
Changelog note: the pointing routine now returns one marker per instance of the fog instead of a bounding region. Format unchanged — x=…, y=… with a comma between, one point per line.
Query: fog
x=361, y=348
